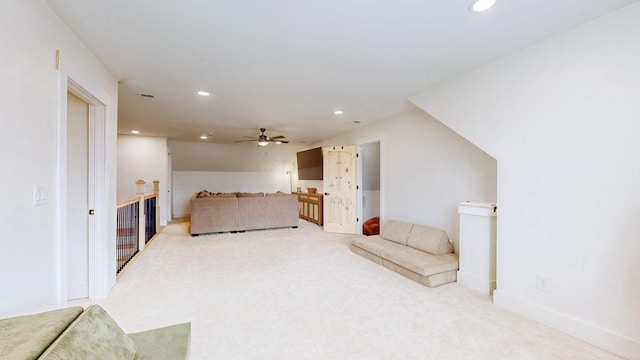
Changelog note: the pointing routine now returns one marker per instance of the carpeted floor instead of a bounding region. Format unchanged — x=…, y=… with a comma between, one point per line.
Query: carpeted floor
x=301, y=294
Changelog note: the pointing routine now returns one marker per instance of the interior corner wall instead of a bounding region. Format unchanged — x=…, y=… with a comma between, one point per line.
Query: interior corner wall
x=371, y=166
x=31, y=264
x=561, y=118
x=143, y=158
x=426, y=170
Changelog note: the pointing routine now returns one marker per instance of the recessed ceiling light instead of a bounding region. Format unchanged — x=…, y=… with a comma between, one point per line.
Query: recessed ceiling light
x=482, y=5
x=203, y=93
x=203, y=137
x=135, y=132
x=338, y=112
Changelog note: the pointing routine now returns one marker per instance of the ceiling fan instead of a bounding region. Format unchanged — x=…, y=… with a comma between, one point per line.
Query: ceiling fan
x=264, y=140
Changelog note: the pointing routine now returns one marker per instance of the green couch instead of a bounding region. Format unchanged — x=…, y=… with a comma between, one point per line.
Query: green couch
x=76, y=333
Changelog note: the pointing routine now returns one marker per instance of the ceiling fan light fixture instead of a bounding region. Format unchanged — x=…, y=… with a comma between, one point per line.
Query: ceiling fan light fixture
x=264, y=140
x=482, y=5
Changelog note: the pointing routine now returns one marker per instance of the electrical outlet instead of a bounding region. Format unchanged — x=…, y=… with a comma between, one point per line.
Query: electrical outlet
x=544, y=283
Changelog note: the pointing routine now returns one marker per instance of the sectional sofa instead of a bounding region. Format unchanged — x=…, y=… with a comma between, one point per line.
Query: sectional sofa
x=240, y=211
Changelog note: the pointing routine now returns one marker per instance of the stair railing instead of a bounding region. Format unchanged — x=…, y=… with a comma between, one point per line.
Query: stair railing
x=138, y=223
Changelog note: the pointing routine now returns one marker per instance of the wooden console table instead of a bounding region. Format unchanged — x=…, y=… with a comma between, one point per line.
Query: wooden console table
x=310, y=207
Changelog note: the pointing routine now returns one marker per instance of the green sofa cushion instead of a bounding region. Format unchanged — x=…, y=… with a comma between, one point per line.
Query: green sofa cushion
x=93, y=335
x=26, y=337
x=170, y=343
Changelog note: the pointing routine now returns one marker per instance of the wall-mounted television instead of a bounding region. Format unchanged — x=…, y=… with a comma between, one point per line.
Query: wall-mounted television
x=310, y=164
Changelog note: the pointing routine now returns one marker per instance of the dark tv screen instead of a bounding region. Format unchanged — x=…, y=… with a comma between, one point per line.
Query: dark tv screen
x=310, y=164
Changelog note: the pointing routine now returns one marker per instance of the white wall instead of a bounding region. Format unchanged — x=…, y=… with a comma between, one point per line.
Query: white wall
x=31, y=260
x=370, y=204
x=562, y=120
x=204, y=156
x=371, y=166
x=187, y=183
x=426, y=170
x=144, y=158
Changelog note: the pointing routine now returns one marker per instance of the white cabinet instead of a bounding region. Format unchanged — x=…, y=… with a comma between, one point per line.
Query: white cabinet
x=477, y=246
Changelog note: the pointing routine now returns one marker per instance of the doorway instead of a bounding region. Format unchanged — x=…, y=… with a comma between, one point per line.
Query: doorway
x=97, y=264
x=77, y=197
x=370, y=181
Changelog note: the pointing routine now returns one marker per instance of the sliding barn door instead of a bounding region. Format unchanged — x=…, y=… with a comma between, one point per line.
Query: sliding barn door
x=340, y=191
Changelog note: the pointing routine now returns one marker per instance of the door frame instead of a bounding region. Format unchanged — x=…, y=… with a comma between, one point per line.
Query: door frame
x=98, y=253
x=359, y=144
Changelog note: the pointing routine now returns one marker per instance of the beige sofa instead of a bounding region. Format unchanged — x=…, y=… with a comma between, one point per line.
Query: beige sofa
x=421, y=253
x=211, y=212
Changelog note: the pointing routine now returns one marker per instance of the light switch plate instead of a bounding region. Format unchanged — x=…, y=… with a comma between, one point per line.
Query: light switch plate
x=544, y=283
x=39, y=195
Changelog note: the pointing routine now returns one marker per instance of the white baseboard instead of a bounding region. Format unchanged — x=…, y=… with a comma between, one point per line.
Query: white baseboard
x=78, y=291
x=605, y=339
x=473, y=282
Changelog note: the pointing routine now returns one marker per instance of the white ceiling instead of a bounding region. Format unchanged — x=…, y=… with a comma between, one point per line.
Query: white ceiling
x=287, y=65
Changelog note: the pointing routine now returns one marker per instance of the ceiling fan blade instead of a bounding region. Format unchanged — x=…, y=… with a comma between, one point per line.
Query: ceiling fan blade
x=262, y=137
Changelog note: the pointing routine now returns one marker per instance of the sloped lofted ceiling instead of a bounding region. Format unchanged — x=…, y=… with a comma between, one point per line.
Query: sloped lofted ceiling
x=288, y=65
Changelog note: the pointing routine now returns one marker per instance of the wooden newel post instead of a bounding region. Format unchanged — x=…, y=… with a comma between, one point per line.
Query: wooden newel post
x=156, y=191
x=141, y=222
x=140, y=188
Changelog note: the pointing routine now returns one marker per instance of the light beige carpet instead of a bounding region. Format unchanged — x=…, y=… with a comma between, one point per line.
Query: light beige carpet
x=301, y=294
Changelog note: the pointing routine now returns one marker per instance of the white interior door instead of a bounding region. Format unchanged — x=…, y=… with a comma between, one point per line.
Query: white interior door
x=340, y=189
x=77, y=197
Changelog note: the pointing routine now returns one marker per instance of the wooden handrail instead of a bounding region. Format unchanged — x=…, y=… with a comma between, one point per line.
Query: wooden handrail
x=127, y=202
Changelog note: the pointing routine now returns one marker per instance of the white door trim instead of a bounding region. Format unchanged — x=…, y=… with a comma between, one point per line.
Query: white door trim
x=98, y=242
